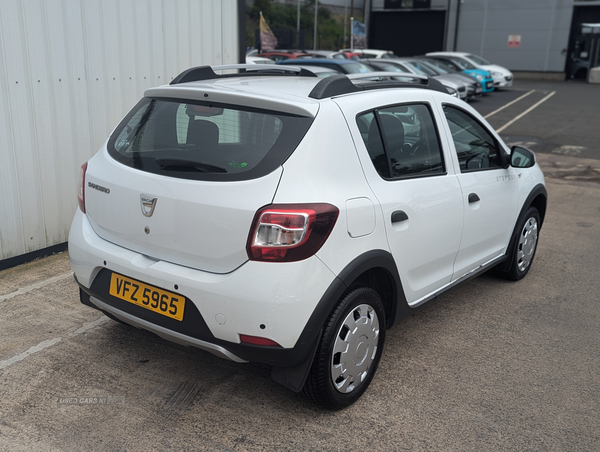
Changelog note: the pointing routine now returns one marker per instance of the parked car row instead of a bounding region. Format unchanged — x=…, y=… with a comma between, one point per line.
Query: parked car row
x=464, y=75
x=502, y=77
x=281, y=54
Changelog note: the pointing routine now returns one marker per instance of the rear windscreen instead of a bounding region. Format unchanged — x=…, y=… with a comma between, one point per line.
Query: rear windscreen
x=205, y=141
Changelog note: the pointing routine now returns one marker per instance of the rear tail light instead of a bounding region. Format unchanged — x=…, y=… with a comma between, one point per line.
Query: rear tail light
x=290, y=232
x=81, y=187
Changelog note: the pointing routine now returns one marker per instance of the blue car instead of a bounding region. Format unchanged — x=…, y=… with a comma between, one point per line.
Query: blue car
x=341, y=66
x=459, y=64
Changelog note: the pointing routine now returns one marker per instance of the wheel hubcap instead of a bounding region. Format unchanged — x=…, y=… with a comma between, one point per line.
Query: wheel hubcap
x=355, y=348
x=527, y=243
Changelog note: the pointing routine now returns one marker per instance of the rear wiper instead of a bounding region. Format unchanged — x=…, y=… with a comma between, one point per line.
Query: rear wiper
x=179, y=164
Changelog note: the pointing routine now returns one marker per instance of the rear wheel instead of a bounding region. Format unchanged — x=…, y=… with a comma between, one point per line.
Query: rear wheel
x=525, y=245
x=349, y=350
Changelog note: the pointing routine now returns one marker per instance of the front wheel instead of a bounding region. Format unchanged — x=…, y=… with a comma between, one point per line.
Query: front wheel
x=349, y=350
x=525, y=245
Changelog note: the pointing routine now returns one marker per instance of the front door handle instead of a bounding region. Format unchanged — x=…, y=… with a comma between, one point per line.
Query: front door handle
x=473, y=198
x=398, y=216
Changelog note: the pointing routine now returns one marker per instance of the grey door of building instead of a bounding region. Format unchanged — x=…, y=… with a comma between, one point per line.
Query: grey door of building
x=582, y=45
x=408, y=33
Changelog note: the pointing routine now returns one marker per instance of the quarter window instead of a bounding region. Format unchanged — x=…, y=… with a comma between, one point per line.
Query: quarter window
x=475, y=147
x=402, y=141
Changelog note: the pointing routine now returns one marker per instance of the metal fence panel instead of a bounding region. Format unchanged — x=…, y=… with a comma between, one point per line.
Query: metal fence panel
x=69, y=70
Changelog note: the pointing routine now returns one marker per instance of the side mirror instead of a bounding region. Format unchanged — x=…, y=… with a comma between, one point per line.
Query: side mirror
x=521, y=157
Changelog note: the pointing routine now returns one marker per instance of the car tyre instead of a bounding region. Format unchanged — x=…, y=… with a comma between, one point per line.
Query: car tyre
x=525, y=245
x=349, y=350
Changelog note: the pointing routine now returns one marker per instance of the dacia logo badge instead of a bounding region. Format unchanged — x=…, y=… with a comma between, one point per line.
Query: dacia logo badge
x=148, y=204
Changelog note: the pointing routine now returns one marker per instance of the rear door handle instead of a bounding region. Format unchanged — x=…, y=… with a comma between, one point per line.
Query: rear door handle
x=398, y=216
x=473, y=198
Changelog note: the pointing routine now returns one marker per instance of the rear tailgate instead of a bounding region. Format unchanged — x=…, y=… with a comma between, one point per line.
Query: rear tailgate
x=199, y=224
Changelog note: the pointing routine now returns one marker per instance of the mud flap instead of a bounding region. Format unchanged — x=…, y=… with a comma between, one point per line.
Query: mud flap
x=294, y=377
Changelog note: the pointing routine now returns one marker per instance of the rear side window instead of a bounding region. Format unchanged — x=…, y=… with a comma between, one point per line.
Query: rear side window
x=402, y=141
x=194, y=140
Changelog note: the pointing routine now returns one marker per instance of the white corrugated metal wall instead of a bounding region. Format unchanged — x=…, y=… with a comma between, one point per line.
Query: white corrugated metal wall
x=69, y=70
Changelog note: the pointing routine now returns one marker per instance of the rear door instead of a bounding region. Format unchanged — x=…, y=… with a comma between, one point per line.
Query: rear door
x=402, y=157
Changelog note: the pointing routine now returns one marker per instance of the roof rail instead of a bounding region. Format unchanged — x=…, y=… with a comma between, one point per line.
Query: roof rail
x=337, y=85
x=386, y=75
x=199, y=73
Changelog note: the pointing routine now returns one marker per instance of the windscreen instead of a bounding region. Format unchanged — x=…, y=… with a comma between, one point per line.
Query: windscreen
x=439, y=66
x=204, y=141
x=389, y=67
x=461, y=63
x=420, y=69
x=357, y=68
x=478, y=60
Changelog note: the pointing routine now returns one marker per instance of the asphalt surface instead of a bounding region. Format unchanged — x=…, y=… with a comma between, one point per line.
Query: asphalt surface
x=490, y=366
x=566, y=123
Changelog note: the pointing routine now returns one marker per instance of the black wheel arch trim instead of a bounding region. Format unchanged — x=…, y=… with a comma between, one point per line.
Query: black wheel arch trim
x=294, y=377
x=538, y=192
x=368, y=261
x=382, y=259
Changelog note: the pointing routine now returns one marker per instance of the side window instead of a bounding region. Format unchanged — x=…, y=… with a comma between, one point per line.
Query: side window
x=402, y=141
x=475, y=146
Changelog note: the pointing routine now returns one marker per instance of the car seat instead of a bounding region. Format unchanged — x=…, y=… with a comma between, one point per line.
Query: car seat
x=204, y=134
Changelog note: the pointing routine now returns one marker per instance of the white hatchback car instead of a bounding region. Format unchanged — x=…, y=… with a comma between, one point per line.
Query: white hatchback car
x=272, y=216
x=503, y=78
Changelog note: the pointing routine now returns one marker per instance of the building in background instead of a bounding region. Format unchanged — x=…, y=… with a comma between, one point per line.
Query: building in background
x=530, y=36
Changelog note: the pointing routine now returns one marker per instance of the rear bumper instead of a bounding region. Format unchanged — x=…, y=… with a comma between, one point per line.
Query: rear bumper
x=165, y=333
x=257, y=299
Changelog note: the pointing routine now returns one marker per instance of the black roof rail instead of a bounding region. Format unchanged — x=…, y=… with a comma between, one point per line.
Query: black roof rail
x=328, y=87
x=200, y=73
x=333, y=86
x=341, y=84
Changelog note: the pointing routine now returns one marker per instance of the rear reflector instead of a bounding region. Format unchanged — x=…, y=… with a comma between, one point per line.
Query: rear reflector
x=255, y=340
x=290, y=232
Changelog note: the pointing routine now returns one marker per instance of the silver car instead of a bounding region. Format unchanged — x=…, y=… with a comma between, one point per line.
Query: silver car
x=413, y=66
x=474, y=86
